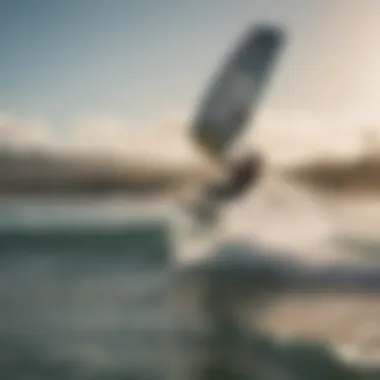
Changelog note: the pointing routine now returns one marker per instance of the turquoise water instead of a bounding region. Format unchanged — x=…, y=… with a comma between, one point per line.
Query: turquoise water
x=83, y=300
x=85, y=294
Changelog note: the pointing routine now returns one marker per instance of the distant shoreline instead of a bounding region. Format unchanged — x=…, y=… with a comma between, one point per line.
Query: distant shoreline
x=356, y=178
x=42, y=176
x=38, y=175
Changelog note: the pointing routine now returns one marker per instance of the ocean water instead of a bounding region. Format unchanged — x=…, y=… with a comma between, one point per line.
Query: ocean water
x=86, y=286
x=83, y=292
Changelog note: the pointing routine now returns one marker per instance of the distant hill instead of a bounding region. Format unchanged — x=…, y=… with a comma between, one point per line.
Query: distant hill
x=41, y=173
x=359, y=177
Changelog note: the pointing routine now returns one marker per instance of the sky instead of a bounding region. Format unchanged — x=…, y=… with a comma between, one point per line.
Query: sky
x=96, y=65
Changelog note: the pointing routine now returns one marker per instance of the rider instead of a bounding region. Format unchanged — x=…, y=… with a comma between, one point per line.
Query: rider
x=244, y=173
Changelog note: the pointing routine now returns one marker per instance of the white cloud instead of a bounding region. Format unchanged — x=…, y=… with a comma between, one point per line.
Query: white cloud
x=284, y=135
x=294, y=135
x=18, y=134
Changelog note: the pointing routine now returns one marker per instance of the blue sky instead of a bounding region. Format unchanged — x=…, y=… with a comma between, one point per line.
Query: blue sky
x=138, y=58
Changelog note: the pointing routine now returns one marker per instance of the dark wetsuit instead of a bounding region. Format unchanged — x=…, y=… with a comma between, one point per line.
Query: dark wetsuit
x=243, y=175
